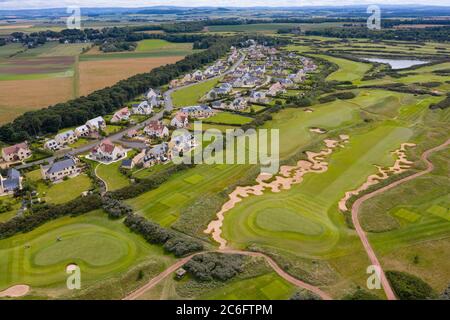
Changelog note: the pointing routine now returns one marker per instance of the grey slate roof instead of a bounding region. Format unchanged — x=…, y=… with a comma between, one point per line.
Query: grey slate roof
x=60, y=165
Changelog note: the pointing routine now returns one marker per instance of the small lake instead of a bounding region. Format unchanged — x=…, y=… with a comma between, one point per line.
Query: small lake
x=397, y=64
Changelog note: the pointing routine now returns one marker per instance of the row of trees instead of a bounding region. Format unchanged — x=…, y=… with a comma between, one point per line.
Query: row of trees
x=155, y=234
x=416, y=34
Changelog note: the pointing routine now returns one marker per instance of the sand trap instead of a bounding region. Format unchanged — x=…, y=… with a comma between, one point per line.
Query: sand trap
x=308, y=110
x=15, y=291
x=401, y=164
x=317, y=130
x=287, y=176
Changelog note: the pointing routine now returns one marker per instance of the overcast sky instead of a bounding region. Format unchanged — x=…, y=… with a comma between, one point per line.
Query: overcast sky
x=35, y=4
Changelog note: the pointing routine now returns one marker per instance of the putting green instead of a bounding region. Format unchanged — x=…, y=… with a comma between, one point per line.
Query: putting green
x=100, y=247
x=85, y=244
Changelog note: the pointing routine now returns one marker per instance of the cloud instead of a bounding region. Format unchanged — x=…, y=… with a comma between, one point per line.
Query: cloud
x=36, y=4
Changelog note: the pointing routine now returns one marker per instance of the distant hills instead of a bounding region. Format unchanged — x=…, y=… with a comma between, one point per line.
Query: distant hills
x=326, y=11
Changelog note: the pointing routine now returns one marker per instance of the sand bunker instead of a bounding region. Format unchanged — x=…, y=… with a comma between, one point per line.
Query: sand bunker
x=15, y=291
x=308, y=110
x=287, y=176
x=401, y=164
x=317, y=130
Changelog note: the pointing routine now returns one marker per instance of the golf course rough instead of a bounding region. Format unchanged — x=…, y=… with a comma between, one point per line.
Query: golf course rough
x=285, y=220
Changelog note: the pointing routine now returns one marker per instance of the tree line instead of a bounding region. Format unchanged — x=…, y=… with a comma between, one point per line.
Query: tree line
x=440, y=34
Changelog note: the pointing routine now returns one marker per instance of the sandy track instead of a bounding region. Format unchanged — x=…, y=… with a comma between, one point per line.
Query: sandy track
x=357, y=205
x=298, y=283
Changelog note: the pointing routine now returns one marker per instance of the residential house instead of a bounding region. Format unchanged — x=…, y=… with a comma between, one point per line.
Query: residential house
x=156, y=129
x=10, y=183
x=107, y=151
x=218, y=104
x=287, y=83
x=238, y=104
x=127, y=164
x=52, y=145
x=182, y=143
x=65, y=138
x=17, y=152
x=155, y=155
x=152, y=93
x=198, y=111
x=132, y=133
x=143, y=108
x=96, y=124
x=198, y=75
x=180, y=120
x=258, y=97
x=82, y=131
x=58, y=170
x=121, y=115
x=276, y=89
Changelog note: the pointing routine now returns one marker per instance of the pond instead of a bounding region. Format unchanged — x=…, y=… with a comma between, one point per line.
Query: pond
x=397, y=64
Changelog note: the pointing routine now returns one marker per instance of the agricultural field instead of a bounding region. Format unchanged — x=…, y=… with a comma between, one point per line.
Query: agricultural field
x=156, y=45
x=269, y=27
x=97, y=74
x=35, y=78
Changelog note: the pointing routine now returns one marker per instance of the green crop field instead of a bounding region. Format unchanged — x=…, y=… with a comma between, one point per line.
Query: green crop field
x=101, y=247
x=154, y=45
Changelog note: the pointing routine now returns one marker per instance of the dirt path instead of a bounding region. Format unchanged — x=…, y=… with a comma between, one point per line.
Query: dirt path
x=104, y=182
x=170, y=270
x=357, y=205
x=15, y=291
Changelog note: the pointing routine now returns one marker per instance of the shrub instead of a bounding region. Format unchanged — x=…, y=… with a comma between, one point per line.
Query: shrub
x=360, y=294
x=214, y=266
x=155, y=234
x=409, y=287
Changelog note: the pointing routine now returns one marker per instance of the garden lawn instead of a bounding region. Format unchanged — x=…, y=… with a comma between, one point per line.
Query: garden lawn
x=191, y=95
x=112, y=176
x=229, y=118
